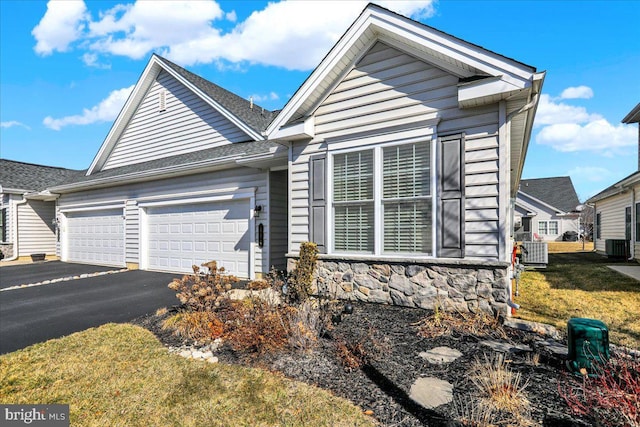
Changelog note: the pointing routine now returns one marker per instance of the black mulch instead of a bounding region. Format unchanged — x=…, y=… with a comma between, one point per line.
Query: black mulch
x=389, y=335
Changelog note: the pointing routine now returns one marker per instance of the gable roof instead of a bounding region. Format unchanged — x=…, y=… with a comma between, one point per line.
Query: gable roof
x=253, y=115
x=633, y=116
x=20, y=177
x=557, y=192
x=452, y=54
x=251, y=121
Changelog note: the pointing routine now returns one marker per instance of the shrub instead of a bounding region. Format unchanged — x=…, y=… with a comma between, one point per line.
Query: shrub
x=612, y=396
x=443, y=323
x=203, y=291
x=300, y=281
x=195, y=325
x=305, y=326
x=254, y=326
x=352, y=355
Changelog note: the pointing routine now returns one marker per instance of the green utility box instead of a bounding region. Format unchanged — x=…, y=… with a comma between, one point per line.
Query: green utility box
x=588, y=341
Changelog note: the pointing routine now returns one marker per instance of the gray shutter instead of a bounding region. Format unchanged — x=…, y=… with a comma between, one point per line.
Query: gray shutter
x=451, y=197
x=317, y=201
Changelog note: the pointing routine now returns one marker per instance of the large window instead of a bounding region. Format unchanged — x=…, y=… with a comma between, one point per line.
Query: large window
x=383, y=193
x=548, y=227
x=353, y=201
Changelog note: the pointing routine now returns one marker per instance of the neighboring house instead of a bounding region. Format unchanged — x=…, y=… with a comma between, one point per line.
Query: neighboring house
x=546, y=208
x=400, y=156
x=617, y=210
x=27, y=216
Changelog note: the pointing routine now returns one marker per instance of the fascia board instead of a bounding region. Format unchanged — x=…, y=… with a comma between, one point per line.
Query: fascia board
x=486, y=88
x=147, y=78
x=302, y=130
x=226, y=113
x=4, y=190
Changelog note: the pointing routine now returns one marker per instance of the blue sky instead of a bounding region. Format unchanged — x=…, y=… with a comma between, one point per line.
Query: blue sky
x=66, y=67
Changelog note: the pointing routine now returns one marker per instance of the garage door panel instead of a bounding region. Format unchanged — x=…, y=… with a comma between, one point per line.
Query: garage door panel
x=199, y=233
x=96, y=237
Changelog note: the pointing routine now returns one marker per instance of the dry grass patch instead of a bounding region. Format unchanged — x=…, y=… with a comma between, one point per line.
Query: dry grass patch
x=567, y=247
x=446, y=323
x=581, y=285
x=120, y=375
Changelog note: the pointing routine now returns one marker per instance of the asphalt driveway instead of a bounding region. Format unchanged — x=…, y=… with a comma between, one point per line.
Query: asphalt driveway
x=39, y=313
x=23, y=274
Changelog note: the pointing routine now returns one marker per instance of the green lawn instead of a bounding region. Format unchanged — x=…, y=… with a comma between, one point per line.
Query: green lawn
x=121, y=375
x=581, y=285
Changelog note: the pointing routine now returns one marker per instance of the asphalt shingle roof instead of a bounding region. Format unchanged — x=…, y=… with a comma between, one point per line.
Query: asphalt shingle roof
x=257, y=117
x=557, y=192
x=32, y=177
x=235, y=149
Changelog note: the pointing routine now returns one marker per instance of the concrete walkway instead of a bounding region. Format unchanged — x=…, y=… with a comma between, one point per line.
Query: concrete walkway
x=632, y=271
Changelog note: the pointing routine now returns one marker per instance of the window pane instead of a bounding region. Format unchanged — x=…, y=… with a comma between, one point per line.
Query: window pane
x=407, y=170
x=353, y=176
x=542, y=227
x=353, y=227
x=553, y=227
x=407, y=227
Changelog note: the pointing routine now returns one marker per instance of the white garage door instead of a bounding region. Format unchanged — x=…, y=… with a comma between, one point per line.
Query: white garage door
x=96, y=237
x=186, y=235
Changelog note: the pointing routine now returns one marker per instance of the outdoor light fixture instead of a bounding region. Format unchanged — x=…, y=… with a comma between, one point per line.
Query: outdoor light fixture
x=257, y=210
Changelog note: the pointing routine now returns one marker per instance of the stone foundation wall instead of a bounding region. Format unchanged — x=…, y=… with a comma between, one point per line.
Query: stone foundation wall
x=6, y=249
x=460, y=286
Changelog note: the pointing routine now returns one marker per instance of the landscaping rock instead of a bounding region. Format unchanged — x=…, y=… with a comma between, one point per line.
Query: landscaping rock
x=539, y=328
x=505, y=347
x=440, y=355
x=431, y=392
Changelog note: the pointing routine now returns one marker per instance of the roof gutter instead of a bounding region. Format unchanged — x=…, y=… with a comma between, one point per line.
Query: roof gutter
x=183, y=169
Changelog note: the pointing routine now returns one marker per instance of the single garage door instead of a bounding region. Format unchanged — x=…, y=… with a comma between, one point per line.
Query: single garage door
x=96, y=237
x=185, y=235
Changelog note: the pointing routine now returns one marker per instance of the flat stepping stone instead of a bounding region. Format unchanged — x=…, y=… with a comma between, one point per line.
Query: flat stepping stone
x=505, y=347
x=555, y=348
x=431, y=392
x=440, y=355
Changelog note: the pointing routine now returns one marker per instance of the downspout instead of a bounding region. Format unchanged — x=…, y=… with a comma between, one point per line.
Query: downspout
x=510, y=277
x=16, y=252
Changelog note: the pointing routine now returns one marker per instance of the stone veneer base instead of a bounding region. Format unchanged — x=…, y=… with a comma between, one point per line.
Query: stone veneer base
x=453, y=285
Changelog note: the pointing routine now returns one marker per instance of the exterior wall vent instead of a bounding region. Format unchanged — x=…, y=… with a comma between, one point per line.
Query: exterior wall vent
x=162, y=100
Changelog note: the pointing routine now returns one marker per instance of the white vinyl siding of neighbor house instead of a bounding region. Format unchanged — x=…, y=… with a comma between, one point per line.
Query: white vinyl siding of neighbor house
x=237, y=180
x=612, y=212
x=389, y=97
x=37, y=233
x=186, y=124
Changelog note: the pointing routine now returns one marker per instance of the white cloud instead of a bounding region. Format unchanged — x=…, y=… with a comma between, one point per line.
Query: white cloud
x=62, y=24
x=288, y=34
x=13, y=123
x=590, y=173
x=91, y=60
x=551, y=112
x=272, y=96
x=577, y=92
x=106, y=110
x=231, y=16
x=597, y=135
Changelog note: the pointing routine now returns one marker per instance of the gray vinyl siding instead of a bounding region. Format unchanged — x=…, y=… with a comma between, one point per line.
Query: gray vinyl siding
x=611, y=212
x=278, y=224
x=187, y=124
x=37, y=234
x=129, y=196
x=387, y=97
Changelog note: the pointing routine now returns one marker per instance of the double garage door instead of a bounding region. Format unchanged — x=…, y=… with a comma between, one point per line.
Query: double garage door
x=176, y=237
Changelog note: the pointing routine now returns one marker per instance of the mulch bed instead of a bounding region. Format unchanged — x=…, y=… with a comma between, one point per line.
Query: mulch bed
x=389, y=335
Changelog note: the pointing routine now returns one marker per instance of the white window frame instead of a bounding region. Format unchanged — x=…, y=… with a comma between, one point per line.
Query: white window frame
x=547, y=224
x=378, y=209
